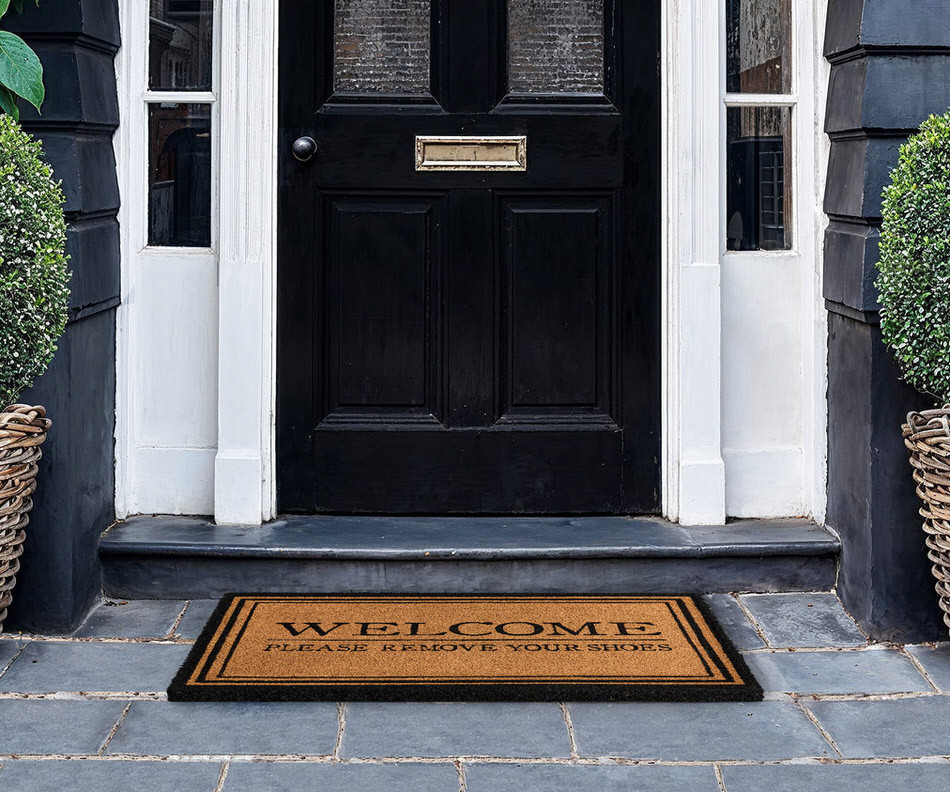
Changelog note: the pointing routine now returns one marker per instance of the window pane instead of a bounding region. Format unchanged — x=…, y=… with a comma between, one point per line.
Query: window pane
x=758, y=46
x=381, y=46
x=556, y=46
x=179, y=175
x=758, y=195
x=180, y=45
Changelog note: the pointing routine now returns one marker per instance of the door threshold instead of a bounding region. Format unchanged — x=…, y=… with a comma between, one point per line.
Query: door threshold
x=190, y=558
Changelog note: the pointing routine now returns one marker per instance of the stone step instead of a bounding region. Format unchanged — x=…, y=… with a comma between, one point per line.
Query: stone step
x=191, y=558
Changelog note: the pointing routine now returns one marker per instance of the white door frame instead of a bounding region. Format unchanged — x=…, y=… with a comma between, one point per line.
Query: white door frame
x=244, y=480
x=693, y=475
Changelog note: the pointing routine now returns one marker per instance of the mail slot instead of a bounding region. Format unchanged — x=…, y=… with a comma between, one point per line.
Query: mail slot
x=467, y=153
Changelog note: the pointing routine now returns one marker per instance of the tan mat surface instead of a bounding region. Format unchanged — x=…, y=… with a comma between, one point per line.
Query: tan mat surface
x=468, y=647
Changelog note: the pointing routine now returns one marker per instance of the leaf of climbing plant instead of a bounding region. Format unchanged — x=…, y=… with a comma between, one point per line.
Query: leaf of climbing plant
x=4, y=5
x=20, y=70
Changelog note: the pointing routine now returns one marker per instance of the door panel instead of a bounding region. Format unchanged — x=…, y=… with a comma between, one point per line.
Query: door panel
x=383, y=335
x=556, y=306
x=469, y=341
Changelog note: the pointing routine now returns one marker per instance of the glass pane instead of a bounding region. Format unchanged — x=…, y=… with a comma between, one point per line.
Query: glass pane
x=556, y=46
x=381, y=46
x=179, y=175
x=758, y=195
x=180, y=45
x=758, y=46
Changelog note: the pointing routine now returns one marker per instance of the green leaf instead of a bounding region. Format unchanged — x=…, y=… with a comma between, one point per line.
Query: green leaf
x=20, y=69
x=4, y=6
x=8, y=103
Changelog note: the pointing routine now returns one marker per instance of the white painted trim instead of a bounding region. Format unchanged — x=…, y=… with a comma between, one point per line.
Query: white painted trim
x=179, y=97
x=760, y=100
x=244, y=487
x=693, y=117
x=816, y=74
x=122, y=144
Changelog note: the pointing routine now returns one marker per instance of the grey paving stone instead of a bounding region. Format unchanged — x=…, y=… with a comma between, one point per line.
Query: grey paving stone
x=158, y=728
x=455, y=729
x=696, y=732
x=874, y=671
x=131, y=619
x=55, y=727
x=196, y=617
x=896, y=728
x=821, y=778
x=406, y=777
x=95, y=776
x=93, y=667
x=803, y=620
x=736, y=624
x=574, y=778
x=936, y=661
x=8, y=650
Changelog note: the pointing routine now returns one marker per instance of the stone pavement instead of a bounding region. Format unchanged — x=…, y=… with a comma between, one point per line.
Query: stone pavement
x=88, y=712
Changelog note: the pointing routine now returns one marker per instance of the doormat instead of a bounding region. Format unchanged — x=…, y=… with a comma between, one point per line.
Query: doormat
x=463, y=648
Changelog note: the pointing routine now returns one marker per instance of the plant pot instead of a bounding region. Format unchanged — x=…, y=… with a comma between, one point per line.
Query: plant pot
x=927, y=437
x=22, y=430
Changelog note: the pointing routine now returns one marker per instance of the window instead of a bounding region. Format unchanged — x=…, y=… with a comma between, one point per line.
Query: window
x=180, y=108
x=556, y=46
x=760, y=103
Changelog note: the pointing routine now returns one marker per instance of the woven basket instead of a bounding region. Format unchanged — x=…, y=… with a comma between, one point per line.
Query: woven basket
x=927, y=437
x=22, y=431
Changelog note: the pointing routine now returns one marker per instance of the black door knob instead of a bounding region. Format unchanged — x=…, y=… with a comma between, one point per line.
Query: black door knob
x=304, y=148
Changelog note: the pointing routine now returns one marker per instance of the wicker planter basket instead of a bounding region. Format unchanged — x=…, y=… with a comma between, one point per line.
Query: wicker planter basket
x=22, y=430
x=927, y=437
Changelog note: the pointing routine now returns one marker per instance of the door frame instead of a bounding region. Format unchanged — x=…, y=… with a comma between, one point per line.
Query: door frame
x=692, y=470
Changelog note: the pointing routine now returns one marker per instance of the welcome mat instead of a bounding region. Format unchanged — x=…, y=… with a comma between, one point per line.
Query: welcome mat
x=463, y=647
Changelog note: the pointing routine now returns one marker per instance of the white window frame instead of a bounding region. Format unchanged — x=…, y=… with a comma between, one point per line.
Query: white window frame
x=154, y=473
x=806, y=460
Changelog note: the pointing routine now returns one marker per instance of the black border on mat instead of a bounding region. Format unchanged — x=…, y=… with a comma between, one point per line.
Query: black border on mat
x=178, y=690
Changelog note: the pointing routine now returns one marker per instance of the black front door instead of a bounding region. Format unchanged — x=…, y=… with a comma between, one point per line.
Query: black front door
x=468, y=278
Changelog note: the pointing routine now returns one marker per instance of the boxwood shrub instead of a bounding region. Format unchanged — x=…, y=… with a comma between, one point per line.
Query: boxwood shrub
x=34, y=276
x=914, y=267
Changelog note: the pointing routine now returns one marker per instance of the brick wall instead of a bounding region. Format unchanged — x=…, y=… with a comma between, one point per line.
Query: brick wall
x=60, y=577
x=890, y=68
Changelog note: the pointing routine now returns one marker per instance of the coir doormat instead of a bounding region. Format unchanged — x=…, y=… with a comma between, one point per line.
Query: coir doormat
x=463, y=647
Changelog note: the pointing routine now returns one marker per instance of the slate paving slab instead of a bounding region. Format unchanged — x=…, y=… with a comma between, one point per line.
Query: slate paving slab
x=821, y=778
x=696, y=732
x=562, y=778
x=8, y=650
x=97, y=776
x=803, y=620
x=160, y=728
x=936, y=661
x=55, y=727
x=47, y=667
x=196, y=617
x=896, y=728
x=873, y=671
x=402, y=777
x=131, y=619
x=454, y=729
x=734, y=621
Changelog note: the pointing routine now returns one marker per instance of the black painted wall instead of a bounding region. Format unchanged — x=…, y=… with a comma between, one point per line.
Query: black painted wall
x=60, y=576
x=890, y=69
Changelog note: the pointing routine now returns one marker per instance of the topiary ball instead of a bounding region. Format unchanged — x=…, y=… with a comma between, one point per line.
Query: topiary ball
x=914, y=267
x=34, y=278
